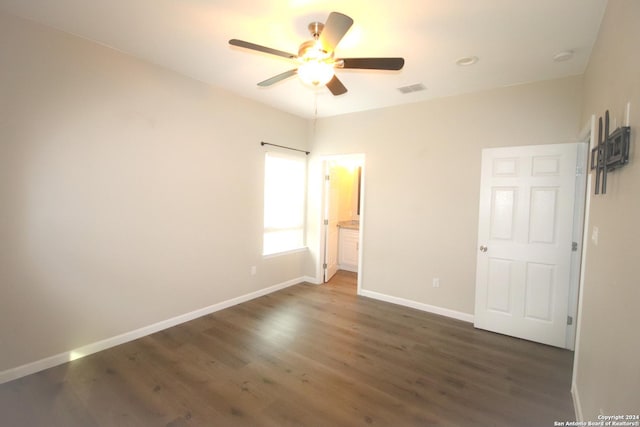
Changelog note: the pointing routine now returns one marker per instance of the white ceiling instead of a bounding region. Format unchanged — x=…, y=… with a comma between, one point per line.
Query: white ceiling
x=514, y=39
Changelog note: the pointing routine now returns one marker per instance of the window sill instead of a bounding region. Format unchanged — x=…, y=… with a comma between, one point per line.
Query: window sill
x=288, y=252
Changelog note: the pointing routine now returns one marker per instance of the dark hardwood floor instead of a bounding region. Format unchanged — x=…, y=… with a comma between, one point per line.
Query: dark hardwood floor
x=304, y=356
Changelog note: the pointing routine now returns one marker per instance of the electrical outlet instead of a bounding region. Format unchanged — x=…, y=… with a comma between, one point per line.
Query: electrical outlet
x=595, y=235
x=253, y=270
x=436, y=282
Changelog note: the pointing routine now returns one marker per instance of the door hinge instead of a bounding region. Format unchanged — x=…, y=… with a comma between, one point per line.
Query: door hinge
x=324, y=266
x=574, y=246
x=326, y=222
x=569, y=320
x=327, y=177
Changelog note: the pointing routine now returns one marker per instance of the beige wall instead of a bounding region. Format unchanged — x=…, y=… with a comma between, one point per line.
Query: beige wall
x=422, y=180
x=608, y=355
x=128, y=194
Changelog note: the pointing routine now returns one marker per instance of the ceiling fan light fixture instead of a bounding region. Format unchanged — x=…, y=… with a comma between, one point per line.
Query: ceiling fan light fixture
x=315, y=59
x=315, y=72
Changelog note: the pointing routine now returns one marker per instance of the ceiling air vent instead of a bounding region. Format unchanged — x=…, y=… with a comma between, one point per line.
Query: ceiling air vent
x=412, y=88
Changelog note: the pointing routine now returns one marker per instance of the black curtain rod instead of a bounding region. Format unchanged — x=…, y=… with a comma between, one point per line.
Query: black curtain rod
x=287, y=148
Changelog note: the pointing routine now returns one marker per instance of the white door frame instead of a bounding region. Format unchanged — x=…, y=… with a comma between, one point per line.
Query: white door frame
x=587, y=135
x=581, y=200
x=324, y=160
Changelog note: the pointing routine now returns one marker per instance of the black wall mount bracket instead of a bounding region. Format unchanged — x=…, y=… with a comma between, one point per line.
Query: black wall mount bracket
x=611, y=153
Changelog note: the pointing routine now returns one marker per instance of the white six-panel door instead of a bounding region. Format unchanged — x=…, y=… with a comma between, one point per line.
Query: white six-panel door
x=331, y=223
x=525, y=241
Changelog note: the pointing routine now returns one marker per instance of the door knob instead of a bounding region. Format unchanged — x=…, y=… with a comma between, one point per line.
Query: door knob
x=483, y=248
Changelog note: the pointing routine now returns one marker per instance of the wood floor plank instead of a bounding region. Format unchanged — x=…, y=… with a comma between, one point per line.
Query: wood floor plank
x=305, y=355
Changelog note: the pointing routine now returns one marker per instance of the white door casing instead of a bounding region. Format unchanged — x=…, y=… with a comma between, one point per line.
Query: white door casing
x=525, y=232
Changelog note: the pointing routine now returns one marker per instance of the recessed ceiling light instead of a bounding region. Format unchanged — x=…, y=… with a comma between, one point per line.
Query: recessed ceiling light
x=466, y=61
x=412, y=88
x=565, y=55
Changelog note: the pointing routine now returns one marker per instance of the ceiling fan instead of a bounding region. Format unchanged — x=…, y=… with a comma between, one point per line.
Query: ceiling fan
x=316, y=61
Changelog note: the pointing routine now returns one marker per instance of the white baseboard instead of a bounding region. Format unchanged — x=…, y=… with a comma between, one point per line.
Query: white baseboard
x=348, y=267
x=576, y=402
x=419, y=305
x=313, y=280
x=59, y=359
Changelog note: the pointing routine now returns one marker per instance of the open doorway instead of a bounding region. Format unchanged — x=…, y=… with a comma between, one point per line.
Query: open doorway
x=342, y=213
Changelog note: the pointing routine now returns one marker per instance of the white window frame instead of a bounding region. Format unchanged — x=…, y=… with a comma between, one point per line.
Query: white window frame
x=286, y=190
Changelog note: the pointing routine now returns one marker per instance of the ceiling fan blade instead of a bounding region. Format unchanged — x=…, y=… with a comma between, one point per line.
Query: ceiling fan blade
x=276, y=79
x=335, y=28
x=336, y=87
x=372, y=63
x=253, y=46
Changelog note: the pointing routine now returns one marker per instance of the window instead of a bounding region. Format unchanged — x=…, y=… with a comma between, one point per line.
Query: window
x=284, y=200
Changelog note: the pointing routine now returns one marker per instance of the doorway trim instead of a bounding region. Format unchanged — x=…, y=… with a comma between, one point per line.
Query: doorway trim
x=323, y=162
x=579, y=223
x=588, y=136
